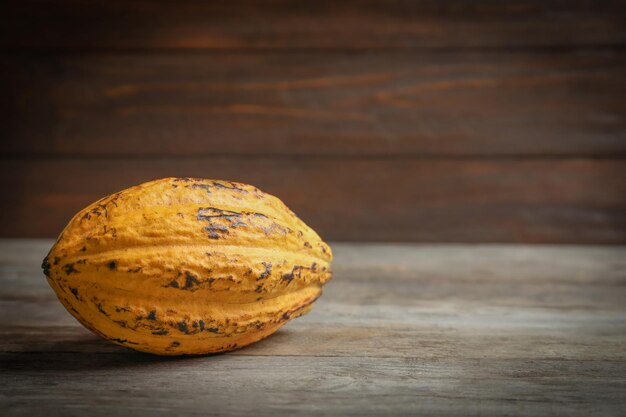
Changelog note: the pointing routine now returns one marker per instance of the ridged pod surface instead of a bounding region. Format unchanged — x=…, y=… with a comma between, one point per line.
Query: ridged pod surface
x=187, y=266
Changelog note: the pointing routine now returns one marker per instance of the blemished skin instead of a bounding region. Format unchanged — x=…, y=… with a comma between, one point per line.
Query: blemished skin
x=187, y=266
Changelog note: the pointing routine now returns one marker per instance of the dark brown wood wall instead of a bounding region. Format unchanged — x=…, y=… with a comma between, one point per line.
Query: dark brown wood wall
x=448, y=120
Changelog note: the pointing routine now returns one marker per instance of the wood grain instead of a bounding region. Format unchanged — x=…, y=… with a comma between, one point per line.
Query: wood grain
x=577, y=201
x=482, y=121
x=313, y=25
x=401, y=330
x=422, y=104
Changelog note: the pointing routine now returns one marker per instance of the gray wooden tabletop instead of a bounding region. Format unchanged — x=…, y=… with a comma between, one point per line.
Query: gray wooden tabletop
x=442, y=330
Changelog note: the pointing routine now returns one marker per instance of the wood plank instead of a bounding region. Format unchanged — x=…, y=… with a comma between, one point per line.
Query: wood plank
x=401, y=330
x=288, y=386
x=576, y=201
x=458, y=104
x=321, y=24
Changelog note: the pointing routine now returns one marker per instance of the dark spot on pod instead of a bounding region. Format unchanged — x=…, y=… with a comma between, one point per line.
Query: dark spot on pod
x=45, y=265
x=175, y=344
x=308, y=245
x=122, y=309
x=138, y=269
x=180, y=215
x=161, y=332
x=152, y=315
x=83, y=249
x=74, y=291
x=259, y=298
x=201, y=324
x=112, y=265
x=194, y=324
x=86, y=216
x=232, y=187
x=69, y=269
x=313, y=266
x=174, y=186
x=259, y=288
x=211, y=280
x=213, y=230
x=56, y=260
x=123, y=341
x=323, y=268
x=295, y=271
x=210, y=213
x=204, y=187
x=275, y=227
x=121, y=323
x=82, y=261
x=190, y=281
x=213, y=330
x=288, y=277
x=285, y=316
x=268, y=270
x=182, y=326
x=300, y=234
x=248, y=272
x=173, y=284
x=324, y=249
x=101, y=310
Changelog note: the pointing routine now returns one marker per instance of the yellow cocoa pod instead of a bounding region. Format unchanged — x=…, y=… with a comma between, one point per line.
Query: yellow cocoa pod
x=187, y=266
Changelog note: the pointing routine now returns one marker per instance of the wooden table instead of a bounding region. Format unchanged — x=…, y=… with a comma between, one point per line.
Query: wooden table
x=401, y=330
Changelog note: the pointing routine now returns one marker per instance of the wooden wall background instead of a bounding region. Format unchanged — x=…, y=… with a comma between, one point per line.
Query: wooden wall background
x=447, y=120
